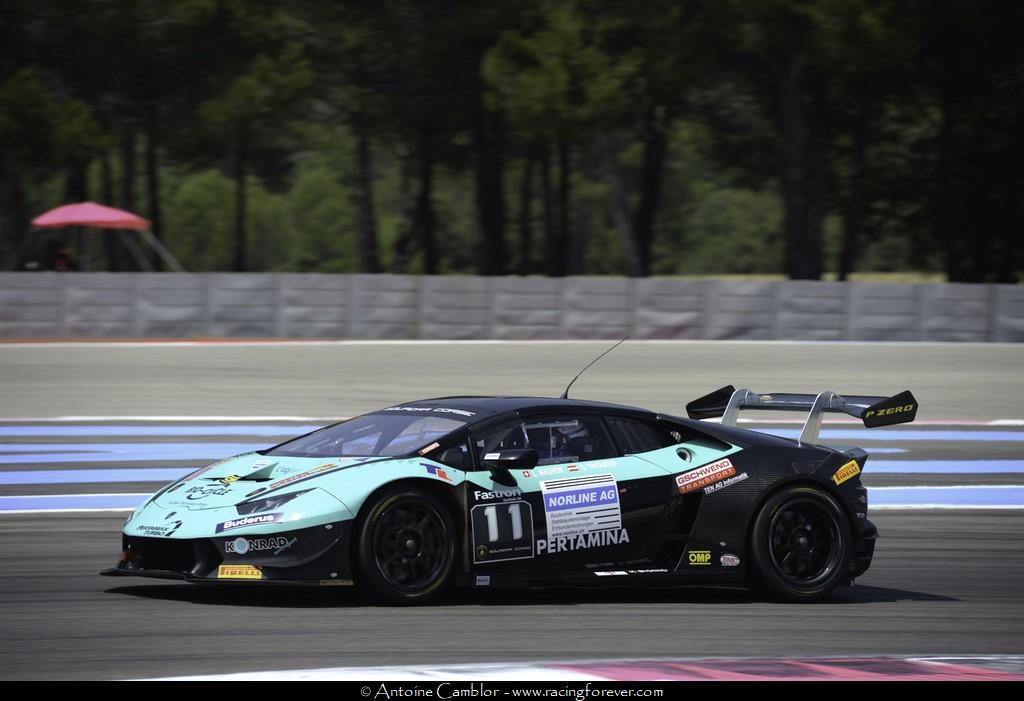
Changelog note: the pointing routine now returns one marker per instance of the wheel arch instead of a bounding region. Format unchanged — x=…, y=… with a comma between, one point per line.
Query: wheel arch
x=794, y=481
x=448, y=495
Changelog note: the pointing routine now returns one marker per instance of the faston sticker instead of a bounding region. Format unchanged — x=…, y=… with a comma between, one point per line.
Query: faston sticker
x=729, y=561
x=424, y=451
x=498, y=494
x=260, y=520
x=846, y=472
x=699, y=558
x=725, y=483
x=704, y=475
x=239, y=572
x=577, y=505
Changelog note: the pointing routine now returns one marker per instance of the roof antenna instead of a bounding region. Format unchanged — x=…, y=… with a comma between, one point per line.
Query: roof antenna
x=565, y=394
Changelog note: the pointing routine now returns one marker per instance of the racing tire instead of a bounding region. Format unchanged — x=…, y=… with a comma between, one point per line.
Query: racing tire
x=800, y=544
x=405, y=547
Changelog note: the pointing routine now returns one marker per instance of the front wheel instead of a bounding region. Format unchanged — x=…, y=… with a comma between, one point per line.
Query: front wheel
x=800, y=544
x=405, y=547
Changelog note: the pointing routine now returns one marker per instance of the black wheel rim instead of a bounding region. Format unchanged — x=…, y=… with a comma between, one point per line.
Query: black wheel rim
x=411, y=545
x=804, y=545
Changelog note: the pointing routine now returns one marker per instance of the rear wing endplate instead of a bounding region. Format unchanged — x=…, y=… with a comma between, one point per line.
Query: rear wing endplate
x=873, y=411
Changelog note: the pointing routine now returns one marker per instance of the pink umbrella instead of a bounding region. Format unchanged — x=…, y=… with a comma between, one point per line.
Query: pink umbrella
x=90, y=214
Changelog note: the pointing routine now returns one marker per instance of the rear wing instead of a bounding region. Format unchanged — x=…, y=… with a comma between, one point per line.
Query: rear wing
x=873, y=411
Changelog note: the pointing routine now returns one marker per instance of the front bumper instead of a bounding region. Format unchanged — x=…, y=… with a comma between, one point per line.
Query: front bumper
x=317, y=556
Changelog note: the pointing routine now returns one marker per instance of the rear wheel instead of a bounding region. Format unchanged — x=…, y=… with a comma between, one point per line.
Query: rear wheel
x=405, y=547
x=801, y=544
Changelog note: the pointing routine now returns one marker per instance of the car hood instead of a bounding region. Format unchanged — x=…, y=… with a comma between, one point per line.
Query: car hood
x=228, y=482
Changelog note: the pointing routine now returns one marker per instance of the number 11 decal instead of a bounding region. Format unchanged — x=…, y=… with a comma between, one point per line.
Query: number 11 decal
x=514, y=512
x=502, y=531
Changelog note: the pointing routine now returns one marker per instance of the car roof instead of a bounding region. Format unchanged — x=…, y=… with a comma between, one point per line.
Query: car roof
x=485, y=407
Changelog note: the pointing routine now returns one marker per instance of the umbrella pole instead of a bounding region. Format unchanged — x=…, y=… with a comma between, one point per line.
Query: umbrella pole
x=84, y=241
x=161, y=250
x=136, y=252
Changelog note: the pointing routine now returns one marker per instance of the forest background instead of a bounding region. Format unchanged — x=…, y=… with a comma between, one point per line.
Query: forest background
x=801, y=138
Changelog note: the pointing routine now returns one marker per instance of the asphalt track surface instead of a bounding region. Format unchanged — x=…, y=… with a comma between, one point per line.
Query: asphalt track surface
x=944, y=582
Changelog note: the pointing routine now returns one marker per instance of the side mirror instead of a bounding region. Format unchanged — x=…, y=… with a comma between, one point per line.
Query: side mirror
x=500, y=464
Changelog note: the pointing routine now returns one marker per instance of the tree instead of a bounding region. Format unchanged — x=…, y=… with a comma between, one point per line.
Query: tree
x=246, y=119
x=554, y=82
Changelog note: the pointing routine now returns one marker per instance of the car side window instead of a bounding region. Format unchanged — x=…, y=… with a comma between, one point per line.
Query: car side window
x=456, y=455
x=638, y=436
x=556, y=438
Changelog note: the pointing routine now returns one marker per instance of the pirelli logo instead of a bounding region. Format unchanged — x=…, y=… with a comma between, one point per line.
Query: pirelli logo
x=239, y=572
x=906, y=408
x=846, y=472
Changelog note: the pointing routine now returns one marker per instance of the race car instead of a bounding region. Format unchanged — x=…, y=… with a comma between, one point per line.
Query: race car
x=528, y=492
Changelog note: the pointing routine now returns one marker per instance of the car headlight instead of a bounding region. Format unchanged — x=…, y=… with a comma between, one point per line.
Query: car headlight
x=268, y=503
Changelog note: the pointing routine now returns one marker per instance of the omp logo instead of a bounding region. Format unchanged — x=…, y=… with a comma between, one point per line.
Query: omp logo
x=699, y=557
x=891, y=410
x=846, y=472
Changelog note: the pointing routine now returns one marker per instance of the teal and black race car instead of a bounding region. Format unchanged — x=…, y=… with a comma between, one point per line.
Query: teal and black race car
x=527, y=492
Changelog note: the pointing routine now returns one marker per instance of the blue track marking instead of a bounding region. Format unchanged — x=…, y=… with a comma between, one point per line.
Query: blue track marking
x=945, y=467
x=155, y=430
x=864, y=434
x=66, y=502
x=878, y=498
x=946, y=497
x=34, y=453
x=126, y=475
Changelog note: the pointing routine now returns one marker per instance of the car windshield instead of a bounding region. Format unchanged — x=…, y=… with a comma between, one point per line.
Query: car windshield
x=370, y=435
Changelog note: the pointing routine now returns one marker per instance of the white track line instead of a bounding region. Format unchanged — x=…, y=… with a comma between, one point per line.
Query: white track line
x=468, y=672
x=524, y=671
x=241, y=343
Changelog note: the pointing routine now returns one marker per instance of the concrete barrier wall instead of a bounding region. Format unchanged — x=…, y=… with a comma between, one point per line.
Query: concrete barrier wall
x=182, y=305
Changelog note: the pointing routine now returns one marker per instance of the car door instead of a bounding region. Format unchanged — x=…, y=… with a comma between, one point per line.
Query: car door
x=585, y=503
